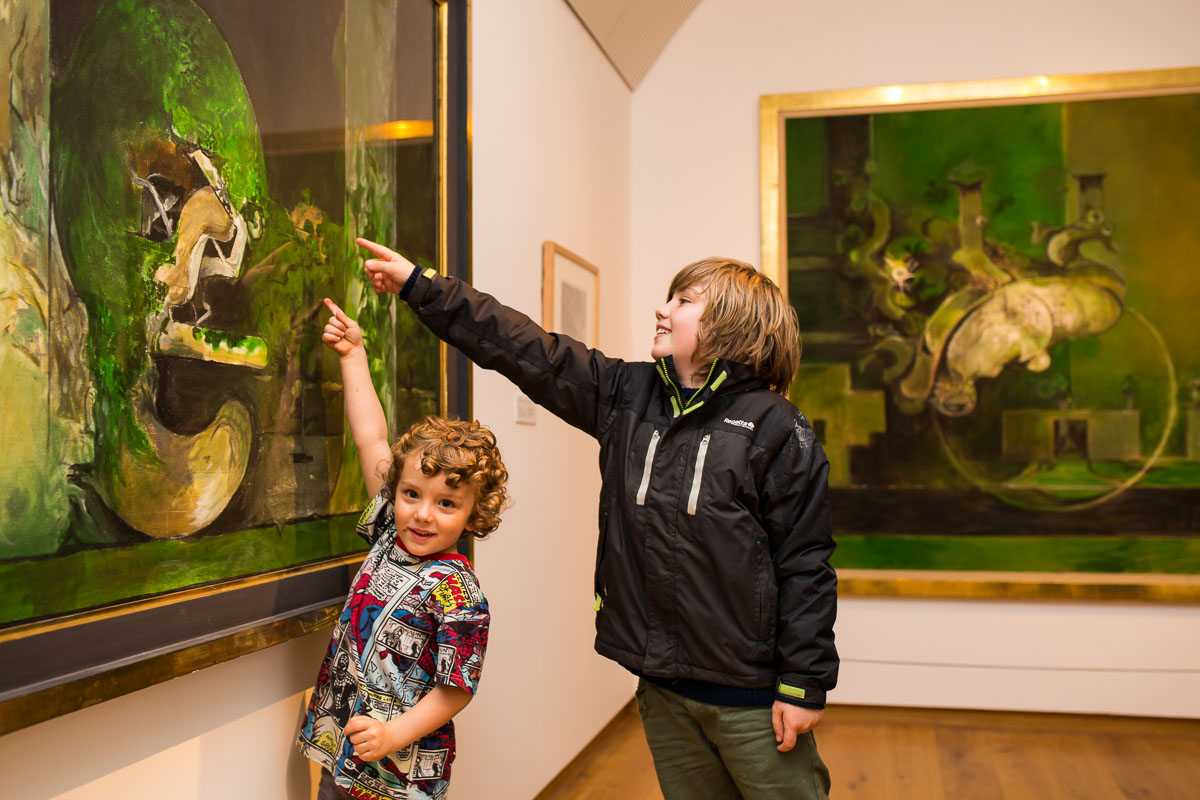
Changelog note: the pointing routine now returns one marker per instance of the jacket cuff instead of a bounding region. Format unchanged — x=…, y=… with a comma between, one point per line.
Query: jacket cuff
x=806, y=696
x=409, y=284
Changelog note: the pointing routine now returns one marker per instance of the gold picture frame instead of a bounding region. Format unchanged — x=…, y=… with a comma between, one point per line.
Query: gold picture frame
x=120, y=646
x=775, y=111
x=570, y=294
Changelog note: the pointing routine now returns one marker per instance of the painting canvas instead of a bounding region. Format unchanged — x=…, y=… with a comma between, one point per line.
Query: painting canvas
x=997, y=302
x=182, y=182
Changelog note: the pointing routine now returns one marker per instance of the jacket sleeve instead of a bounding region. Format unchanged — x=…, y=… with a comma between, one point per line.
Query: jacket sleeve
x=559, y=373
x=797, y=515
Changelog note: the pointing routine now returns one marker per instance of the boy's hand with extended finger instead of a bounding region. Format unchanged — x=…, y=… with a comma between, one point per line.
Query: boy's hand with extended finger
x=389, y=270
x=342, y=334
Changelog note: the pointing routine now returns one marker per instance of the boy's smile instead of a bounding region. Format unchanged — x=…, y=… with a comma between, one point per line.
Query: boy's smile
x=677, y=329
x=430, y=516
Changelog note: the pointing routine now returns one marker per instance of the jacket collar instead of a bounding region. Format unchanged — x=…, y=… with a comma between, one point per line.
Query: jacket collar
x=724, y=377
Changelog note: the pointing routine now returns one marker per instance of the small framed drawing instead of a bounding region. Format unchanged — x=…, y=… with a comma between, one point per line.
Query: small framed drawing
x=570, y=294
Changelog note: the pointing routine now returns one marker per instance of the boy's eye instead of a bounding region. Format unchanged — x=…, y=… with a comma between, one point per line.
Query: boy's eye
x=410, y=494
x=447, y=504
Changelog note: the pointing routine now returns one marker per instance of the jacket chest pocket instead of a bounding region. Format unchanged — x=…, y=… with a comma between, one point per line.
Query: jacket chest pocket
x=647, y=469
x=698, y=475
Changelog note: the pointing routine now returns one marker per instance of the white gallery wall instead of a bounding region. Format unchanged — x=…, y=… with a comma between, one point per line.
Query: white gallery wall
x=223, y=732
x=696, y=193
x=551, y=153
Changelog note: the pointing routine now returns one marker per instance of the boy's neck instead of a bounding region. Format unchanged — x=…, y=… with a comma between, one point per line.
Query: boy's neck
x=452, y=553
x=683, y=372
x=691, y=376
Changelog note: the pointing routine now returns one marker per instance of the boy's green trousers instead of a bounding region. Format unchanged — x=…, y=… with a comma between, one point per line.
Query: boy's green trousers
x=707, y=752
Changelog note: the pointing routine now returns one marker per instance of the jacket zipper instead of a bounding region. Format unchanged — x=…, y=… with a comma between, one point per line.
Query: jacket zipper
x=645, y=485
x=694, y=497
x=678, y=406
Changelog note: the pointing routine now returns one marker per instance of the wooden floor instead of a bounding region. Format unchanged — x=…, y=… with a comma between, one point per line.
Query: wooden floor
x=877, y=753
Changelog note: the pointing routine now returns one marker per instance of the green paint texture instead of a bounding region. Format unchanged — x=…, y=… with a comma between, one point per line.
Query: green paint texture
x=142, y=74
x=890, y=183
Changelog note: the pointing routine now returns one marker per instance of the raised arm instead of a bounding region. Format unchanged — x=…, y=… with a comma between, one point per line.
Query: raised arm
x=368, y=425
x=559, y=373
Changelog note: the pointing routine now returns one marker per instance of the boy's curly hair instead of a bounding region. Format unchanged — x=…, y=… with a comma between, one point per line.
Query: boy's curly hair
x=465, y=453
x=746, y=318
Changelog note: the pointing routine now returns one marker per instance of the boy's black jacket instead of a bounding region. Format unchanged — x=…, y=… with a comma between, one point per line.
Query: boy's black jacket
x=715, y=533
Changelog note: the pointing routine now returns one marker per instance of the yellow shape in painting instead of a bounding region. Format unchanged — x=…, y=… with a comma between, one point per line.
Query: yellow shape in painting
x=34, y=482
x=1193, y=434
x=1031, y=434
x=189, y=342
x=183, y=482
x=843, y=416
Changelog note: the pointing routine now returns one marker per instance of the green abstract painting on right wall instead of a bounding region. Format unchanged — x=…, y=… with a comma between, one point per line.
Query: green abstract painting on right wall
x=1000, y=310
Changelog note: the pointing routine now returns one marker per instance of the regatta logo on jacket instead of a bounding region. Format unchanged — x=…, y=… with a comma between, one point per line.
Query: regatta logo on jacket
x=741, y=423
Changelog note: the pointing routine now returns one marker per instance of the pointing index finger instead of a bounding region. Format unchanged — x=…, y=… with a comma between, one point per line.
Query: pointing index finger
x=378, y=249
x=337, y=312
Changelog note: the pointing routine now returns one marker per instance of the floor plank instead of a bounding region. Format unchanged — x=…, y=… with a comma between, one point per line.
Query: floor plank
x=1019, y=765
x=1080, y=770
x=878, y=753
x=616, y=764
x=966, y=766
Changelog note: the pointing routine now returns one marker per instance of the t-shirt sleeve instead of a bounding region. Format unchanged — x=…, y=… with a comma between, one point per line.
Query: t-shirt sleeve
x=461, y=611
x=376, y=518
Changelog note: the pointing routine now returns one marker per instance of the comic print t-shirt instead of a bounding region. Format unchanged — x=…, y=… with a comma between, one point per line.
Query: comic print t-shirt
x=409, y=624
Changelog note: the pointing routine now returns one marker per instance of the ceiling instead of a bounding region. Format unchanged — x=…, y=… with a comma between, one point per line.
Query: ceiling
x=632, y=32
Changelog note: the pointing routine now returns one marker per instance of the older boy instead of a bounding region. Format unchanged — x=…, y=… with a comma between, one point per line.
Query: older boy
x=713, y=581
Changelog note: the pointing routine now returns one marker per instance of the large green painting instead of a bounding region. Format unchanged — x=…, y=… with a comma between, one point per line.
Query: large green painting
x=181, y=185
x=1001, y=351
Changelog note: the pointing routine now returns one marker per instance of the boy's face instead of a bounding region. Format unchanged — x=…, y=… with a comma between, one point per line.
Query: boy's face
x=678, y=324
x=430, y=516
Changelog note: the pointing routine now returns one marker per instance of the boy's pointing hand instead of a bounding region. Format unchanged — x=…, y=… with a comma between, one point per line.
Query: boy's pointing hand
x=389, y=270
x=342, y=334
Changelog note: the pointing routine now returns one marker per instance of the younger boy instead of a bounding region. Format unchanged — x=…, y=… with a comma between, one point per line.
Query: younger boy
x=407, y=651
x=713, y=581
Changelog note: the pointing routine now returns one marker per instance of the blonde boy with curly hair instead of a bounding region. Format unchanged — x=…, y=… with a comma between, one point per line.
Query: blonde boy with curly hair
x=407, y=651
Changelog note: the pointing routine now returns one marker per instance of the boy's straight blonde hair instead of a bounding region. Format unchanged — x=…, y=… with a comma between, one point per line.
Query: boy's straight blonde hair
x=746, y=318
